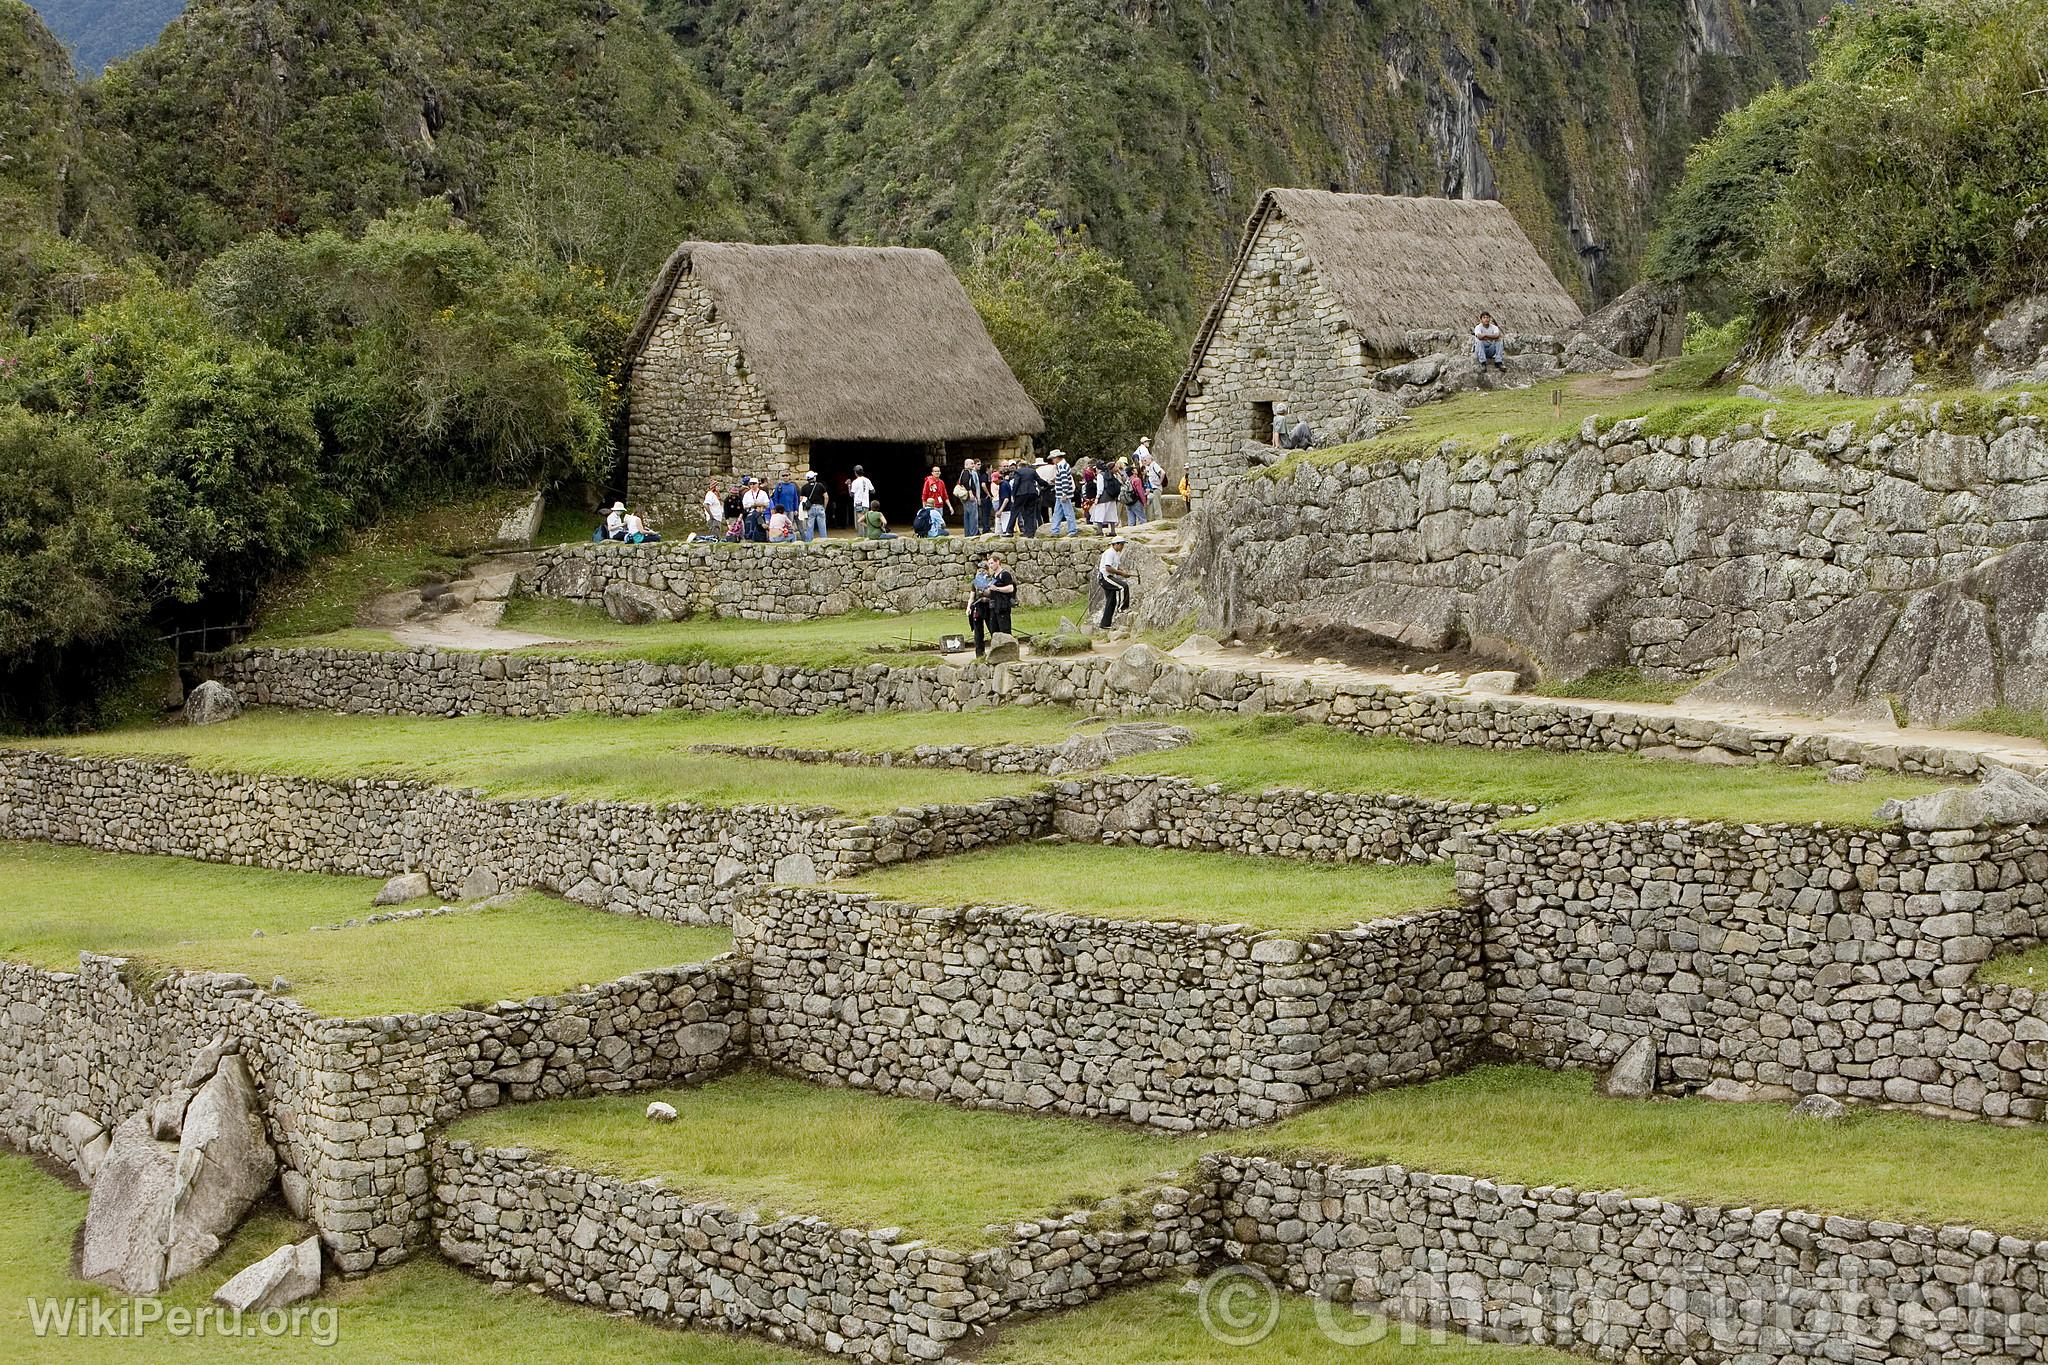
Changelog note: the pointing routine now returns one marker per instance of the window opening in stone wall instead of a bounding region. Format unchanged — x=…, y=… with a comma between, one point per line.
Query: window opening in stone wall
x=1262, y=422
x=723, y=452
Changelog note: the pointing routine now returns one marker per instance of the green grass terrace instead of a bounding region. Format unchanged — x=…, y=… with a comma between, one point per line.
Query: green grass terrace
x=168, y=913
x=1168, y=885
x=858, y=1159
x=650, y=758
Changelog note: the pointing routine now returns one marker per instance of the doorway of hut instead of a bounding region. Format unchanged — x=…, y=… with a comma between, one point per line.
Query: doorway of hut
x=897, y=470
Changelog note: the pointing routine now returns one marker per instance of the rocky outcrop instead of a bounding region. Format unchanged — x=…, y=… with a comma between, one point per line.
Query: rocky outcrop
x=2014, y=351
x=279, y=1280
x=1847, y=354
x=1645, y=324
x=210, y=703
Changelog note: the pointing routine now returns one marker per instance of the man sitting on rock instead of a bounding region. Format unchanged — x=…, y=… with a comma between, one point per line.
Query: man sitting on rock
x=1486, y=344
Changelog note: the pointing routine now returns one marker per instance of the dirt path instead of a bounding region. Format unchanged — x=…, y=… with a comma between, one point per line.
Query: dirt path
x=462, y=614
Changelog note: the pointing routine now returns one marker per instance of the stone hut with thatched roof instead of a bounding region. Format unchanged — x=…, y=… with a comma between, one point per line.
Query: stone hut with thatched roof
x=1327, y=289
x=765, y=359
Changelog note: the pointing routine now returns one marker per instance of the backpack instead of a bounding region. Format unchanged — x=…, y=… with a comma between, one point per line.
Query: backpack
x=1110, y=489
x=1026, y=488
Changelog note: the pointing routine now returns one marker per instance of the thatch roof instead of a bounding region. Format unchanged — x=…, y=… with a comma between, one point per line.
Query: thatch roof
x=1398, y=265
x=854, y=343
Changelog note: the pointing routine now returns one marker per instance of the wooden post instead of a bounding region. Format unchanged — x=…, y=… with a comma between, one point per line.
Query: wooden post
x=1557, y=404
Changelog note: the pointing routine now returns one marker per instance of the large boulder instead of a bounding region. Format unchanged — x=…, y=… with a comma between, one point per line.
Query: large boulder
x=128, y=1218
x=522, y=524
x=1566, y=611
x=279, y=1280
x=210, y=703
x=1834, y=355
x=632, y=605
x=407, y=886
x=1817, y=668
x=1646, y=323
x=82, y=1143
x=1634, y=1074
x=2015, y=347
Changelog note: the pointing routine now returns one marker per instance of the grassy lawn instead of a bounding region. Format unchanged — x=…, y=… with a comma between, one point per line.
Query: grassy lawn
x=1677, y=401
x=863, y=637
x=1262, y=753
x=1162, y=1325
x=2029, y=969
x=404, y=550
x=169, y=912
x=868, y=1160
x=1167, y=884
x=1616, y=684
x=597, y=757
x=859, y=1159
x=422, y=1311
x=1535, y=1127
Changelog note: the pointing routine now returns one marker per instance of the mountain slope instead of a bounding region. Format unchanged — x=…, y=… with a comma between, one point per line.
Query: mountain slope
x=1157, y=122
x=99, y=31
x=254, y=114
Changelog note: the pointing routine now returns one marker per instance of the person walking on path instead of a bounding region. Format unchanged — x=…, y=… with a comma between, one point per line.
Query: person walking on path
x=1486, y=343
x=1027, y=493
x=862, y=491
x=978, y=607
x=1116, y=584
x=1002, y=594
x=812, y=502
x=1136, y=501
x=1062, y=496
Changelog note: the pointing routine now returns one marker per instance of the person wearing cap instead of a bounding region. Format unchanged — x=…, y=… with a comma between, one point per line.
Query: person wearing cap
x=862, y=492
x=1116, y=584
x=615, y=521
x=1062, y=481
x=813, y=500
x=756, y=498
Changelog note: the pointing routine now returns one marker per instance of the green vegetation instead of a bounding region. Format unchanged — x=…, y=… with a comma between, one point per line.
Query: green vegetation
x=1259, y=754
x=168, y=912
x=1528, y=1126
x=1162, y=1325
x=1904, y=177
x=860, y=1159
x=1076, y=334
x=1167, y=884
x=867, y=1160
x=2010, y=720
x=1616, y=684
x=613, y=758
x=414, y=1312
x=2028, y=968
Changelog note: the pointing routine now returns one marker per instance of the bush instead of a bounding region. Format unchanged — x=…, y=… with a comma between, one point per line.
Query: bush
x=1076, y=334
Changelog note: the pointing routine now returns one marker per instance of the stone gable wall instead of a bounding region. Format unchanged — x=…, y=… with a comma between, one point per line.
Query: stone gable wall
x=1140, y=683
x=350, y=1103
x=799, y=582
x=690, y=382
x=1626, y=1278
x=1282, y=337
x=873, y=1295
x=1674, y=554
x=1823, y=961
x=676, y=862
x=1175, y=1026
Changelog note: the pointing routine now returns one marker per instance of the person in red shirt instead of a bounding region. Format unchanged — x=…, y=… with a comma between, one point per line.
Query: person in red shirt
x=935, y=490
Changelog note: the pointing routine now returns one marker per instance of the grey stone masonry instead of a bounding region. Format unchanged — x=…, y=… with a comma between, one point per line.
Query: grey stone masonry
x=1175, y=1026
x=1836, y=962
x=799, y=582
x=350, y=1103
x=675, y=862
x=1633, y=1279
x=1327, y=827
x=1140, y=682
x=873, y=1295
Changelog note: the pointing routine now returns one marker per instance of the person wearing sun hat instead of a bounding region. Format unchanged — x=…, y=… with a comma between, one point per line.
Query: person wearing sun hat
x=615, y=521
x=1116, y=584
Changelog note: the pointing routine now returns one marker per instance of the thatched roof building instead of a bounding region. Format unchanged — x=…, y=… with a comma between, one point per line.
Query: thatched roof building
x=1326, y=288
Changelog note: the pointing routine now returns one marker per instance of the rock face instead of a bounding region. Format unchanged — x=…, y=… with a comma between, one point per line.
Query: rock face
x=1834, y=355
x=2015, y=347
x=631, y=604
x=81, y=1142
x=162, y=1207
x=279, y=1280
x=1645, y=323
x=210, y=703
x=1634, y=1074
x=1567, y=610
x=522, y=524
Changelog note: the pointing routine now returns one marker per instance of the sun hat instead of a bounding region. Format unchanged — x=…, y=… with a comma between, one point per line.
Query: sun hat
x=616, y=507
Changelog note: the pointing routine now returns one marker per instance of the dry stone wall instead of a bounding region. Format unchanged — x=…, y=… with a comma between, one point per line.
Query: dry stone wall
x=1140, y=682
x=1175, y=1026
x=1626, y=1278
x=873, y=1295
x=800, y=582
x=1675, y=554
x=677, y=862
x=1837, y=962
x=350, y=1103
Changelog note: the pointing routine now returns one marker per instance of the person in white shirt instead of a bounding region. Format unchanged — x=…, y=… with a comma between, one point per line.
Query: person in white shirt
x=714, y=512
x=615, y=521
x=1116, y=585
x=1486, y=343
x=756, y=498
x=861, y=491
x=637, y=532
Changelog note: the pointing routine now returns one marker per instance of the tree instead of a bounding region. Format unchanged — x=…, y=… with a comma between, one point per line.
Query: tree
x=1075, y=332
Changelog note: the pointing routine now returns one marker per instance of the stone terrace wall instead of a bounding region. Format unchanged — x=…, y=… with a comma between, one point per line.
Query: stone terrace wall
x=1141, y=682
x=681, y=863
x=1176, y=1026
x=1329, y=827
x=1625, y=1278
x=1829, y=961
x=799, y=582
x=350, y=1103
x=1673, y=554
x=640, y=1249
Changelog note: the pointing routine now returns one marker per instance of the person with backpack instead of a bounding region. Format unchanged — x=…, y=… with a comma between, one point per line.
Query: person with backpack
x=811, y=505
x=1109, y=490
x=1135, y=505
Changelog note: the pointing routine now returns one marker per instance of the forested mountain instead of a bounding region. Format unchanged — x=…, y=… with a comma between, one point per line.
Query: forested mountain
x=568, y=122
x=98, y=31
x=1156, y=122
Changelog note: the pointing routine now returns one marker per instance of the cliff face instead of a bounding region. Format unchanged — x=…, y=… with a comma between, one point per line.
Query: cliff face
x=1157, y=122
x=98, y=31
